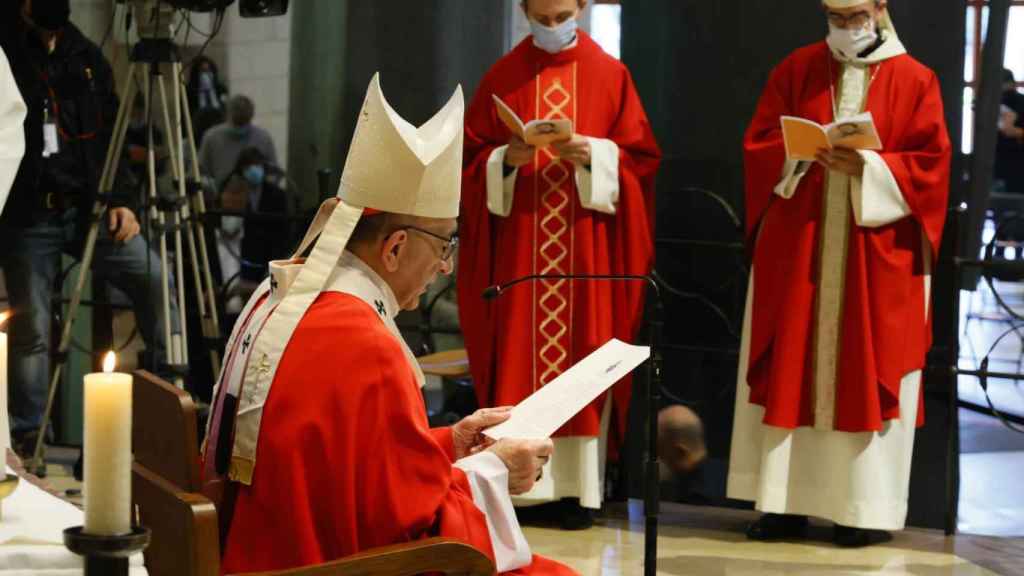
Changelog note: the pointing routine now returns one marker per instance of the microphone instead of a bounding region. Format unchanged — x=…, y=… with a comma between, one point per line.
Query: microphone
x=496, y=290
x=652, y=499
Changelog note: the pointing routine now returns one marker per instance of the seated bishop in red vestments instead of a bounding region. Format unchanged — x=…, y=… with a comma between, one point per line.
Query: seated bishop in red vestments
x=319, y=437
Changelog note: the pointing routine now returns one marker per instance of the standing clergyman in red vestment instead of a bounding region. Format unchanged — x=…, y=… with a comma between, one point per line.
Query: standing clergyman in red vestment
x=580, y=206
x=838, y=314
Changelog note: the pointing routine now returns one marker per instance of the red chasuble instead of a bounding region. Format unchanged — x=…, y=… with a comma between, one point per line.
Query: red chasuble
x=536, y=331
x=346, y=459
x=885, y=331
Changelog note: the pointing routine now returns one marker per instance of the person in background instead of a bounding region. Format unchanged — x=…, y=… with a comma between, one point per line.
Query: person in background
x=254, y=186
x=1009, y=168
x=681, y=446
x=207, y=96
x=222, y=144
x=67, y=85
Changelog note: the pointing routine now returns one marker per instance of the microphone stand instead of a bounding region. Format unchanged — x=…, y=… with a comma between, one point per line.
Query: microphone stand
x=654, y=326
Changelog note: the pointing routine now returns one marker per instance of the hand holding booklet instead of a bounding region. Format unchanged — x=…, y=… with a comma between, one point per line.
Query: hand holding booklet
x=538, y=133
x=547, y=409
x=803, y=138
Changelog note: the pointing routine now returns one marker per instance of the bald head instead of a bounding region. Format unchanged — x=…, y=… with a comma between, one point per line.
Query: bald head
x=241, y=110
x=680, y=439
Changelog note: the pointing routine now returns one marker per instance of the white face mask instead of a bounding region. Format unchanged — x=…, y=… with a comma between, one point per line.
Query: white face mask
x=851, y=42
x=553, y=39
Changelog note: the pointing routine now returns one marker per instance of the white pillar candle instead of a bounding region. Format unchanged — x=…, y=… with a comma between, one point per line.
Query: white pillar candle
x=108, y=451
x=5, y=427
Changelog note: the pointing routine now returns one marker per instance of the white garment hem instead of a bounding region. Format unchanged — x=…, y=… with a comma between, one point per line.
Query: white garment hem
x=870, y=515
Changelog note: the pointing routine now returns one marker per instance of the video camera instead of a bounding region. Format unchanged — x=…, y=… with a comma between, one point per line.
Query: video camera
x=156, y=18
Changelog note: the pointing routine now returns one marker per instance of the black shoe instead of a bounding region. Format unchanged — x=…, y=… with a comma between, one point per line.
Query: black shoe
x=575, y=517
x=849, y=537
x=777, y=527
x=77, y=469
x=547, y=514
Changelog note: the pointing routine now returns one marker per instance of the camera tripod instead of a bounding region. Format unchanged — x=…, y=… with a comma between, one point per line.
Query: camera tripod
x=186, y=212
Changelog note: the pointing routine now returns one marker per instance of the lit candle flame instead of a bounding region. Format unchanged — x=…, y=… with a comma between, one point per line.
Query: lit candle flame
x=109, y=361
x=4, y=316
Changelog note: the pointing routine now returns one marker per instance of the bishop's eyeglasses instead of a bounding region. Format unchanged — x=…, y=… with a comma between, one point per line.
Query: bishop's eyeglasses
x=450, y=243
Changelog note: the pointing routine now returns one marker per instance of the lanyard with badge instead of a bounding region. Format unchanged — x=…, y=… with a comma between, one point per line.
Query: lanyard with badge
x=51, y=115
x=51, y=143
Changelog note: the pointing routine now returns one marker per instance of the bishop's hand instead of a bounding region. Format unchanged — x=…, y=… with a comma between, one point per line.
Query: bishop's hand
x=524, y=460
x=466, y=434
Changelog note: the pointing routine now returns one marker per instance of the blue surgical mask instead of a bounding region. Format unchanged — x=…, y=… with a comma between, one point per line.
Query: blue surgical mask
x=254, y=174
x=553, y=39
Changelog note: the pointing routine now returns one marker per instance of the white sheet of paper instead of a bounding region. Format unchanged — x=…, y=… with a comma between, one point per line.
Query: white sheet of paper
x=547, y=409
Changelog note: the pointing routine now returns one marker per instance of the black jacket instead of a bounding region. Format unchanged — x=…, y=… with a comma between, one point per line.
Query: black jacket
x=74, y=85
x=1010, y=151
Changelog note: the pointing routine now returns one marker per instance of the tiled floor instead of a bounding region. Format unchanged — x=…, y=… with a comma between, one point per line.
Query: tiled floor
x=992, y=459
x=710, y=541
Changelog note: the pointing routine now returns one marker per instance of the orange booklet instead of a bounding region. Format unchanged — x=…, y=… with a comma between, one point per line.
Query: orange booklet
x=539, y=133
x=803, y=138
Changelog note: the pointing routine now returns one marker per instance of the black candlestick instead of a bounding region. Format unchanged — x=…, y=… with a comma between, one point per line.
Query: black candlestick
x=106, y=555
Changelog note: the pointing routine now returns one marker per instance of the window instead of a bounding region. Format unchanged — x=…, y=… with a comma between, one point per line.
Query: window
x=606, y=26
x=977, y=26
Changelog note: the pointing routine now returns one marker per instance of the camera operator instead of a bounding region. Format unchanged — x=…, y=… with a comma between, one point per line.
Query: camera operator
x=67, y=85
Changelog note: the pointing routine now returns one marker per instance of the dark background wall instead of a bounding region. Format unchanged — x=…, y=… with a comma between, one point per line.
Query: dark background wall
x=422, y=50
x=700, y=67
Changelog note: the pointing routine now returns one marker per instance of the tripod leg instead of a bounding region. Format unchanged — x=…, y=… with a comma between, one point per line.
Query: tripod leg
x=186, y=215
x=158, y=216
x=179, y=271
x=207, y=296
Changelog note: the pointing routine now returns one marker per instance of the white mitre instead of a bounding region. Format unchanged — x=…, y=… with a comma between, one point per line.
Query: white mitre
x=885, y=23
x=392, y=167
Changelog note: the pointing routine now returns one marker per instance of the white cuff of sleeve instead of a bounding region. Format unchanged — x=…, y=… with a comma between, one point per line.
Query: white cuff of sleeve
x=599, y=186
x=500, y=189
x=793, y=172
x=876, y=195
x=488, y=479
